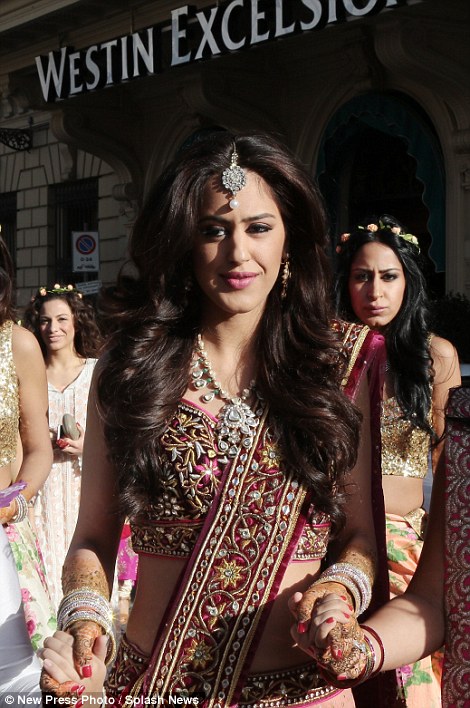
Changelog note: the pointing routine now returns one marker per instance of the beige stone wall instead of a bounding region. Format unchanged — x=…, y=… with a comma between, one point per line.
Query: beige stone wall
x=29, y=174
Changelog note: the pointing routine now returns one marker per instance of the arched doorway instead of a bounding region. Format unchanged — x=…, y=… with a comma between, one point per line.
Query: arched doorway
x=379, y=154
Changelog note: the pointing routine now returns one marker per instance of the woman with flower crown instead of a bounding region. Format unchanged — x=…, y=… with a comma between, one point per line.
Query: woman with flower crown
x=380, y=283
x=25, y=454
x=218, y=423
x=65, y=327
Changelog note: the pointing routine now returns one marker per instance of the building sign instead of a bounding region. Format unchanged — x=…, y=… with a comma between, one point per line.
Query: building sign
x=86, y=258
x=90, y=287
x=191, y=35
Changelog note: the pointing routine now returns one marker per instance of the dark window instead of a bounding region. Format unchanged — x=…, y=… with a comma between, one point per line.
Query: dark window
x=74, y=207
x=8, y=221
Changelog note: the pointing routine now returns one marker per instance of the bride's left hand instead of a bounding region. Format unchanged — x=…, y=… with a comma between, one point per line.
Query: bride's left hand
x=332, y=636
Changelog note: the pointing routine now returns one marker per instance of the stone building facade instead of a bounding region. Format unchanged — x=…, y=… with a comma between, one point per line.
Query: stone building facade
x=373, y=96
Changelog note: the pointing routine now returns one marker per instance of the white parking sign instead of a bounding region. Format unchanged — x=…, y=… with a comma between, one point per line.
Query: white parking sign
x=85, y=249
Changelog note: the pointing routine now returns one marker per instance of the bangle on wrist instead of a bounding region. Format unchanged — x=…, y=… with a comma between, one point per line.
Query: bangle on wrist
x=373, y=633
x=21, y=509
x=354, y=580
x=368, y=652
x=85, y=604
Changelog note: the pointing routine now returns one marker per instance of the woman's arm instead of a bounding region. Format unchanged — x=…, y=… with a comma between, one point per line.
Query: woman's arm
x=356, y=543
x=34, y=431
x=410, y=627
x=446, y=375
x=357, y=539
x=99, y=524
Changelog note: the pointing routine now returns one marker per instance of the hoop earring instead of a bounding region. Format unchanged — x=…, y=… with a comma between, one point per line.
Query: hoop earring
x=285, y=277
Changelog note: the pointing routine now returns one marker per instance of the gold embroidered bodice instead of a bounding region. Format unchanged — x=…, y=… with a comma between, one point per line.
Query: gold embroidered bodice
x=190, y=469
x=9, y=397
x=405, y=447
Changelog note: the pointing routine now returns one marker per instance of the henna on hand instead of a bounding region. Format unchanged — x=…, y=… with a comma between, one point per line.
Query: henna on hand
x=61, y=690
x=84, y=573
x=315, y=593
x=344, y=655
x=84, y=633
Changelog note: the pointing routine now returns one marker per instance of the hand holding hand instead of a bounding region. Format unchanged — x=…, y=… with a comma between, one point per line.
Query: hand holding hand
x=345, y=657
x=303, y=607
x=318, y=611
x=327, y=629
x=60, y=675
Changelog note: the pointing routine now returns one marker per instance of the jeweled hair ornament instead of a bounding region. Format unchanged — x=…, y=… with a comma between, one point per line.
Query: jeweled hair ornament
x=234, y=179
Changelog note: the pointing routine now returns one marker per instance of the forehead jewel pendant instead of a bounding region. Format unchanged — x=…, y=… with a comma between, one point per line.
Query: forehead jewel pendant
x=234, y=179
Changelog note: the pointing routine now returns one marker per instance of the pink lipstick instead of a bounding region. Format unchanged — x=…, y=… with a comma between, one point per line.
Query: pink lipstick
x=239, y=281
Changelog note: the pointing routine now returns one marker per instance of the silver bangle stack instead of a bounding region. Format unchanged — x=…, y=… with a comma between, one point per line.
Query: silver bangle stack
x=354, y=579
x=87, y=604
x=21, y=509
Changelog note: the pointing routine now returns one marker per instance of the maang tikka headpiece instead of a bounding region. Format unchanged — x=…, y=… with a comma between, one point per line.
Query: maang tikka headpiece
x=234, y=178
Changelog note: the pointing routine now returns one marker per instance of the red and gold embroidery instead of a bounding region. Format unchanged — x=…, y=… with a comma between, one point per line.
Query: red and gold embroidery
x=190, y=468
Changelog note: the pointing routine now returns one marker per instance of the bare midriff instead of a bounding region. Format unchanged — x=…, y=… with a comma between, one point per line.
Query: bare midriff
x=157, y=583
x=402, y=494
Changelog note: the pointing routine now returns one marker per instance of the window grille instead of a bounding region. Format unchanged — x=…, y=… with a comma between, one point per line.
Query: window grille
x=74, y=207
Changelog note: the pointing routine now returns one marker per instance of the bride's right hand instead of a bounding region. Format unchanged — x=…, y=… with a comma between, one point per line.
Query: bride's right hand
x=65, y=655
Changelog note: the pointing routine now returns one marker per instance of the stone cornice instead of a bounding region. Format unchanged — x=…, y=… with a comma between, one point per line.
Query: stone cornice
x=14, y=13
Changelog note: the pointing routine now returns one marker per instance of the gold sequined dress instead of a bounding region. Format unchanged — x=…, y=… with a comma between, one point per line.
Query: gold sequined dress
x=38, y=608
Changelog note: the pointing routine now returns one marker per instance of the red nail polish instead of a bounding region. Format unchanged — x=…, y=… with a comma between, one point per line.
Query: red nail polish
x=343, y=597
x=330, y=620
x=79, y=703
x=351, y=607
x=342, y=677
x=79, y=690
x=75, y=687
x=338, y=654
x=346, y=615
x=87, y=671
x=302, y=627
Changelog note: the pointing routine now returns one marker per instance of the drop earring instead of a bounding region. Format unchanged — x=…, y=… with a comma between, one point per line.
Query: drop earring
x=285, y=277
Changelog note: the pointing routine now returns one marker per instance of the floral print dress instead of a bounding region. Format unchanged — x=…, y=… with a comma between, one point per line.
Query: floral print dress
x=39, y=612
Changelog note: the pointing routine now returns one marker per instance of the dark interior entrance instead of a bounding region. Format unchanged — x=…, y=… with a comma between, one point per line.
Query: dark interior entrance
x=372, y=163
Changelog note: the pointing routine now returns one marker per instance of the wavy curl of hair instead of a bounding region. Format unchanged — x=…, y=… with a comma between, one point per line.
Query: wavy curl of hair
x=7, y=311
x=407, y=335
x=156, y=321
x=87, y=340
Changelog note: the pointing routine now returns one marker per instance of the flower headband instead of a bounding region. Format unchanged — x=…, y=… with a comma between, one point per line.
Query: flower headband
x=57, y=289
x=411, y=238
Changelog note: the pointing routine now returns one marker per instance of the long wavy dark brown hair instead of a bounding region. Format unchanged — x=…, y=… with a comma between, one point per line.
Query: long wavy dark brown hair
x=156, y=321
x=87, y=339
x=7, y=311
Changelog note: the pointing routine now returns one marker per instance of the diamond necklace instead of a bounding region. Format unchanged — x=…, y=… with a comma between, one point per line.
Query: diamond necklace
x=237, y=423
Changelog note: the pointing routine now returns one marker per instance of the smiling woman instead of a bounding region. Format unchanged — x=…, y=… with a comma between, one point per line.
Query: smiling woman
x=238, y=252
x=65, y=328
x=218, y=424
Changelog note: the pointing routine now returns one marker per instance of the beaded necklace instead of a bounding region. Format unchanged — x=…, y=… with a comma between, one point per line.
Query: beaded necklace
x=237, y=422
